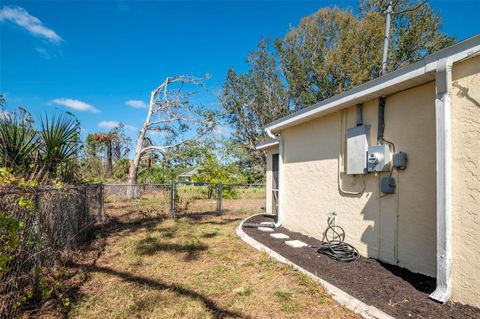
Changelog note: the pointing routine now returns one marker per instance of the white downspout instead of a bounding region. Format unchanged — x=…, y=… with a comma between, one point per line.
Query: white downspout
x=280, y=175
x=444, y=180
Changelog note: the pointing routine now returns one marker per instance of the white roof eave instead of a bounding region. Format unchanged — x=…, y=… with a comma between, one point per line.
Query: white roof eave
x=418, y=73
x=266, y=145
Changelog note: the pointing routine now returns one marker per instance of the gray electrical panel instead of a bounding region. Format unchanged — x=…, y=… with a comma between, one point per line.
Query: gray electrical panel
x=379, y=158
x=357, y=147
x=387, y=185
x=400, y=160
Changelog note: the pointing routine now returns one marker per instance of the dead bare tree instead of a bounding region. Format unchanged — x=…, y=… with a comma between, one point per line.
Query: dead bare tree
x=173, y=118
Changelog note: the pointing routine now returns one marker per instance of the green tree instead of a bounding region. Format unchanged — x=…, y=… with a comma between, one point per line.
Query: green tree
x=120, y=169
x=253, y=99
x=332, y=50
x=19, y=143
x=213, y=171
x=415, y=30
x=113, y=145
x=60, y=140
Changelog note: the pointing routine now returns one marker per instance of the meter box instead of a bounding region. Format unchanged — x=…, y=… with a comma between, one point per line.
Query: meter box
x=357, y=147
x=379, y=158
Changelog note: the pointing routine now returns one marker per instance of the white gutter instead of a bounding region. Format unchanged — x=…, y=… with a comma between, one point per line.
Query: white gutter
x=411, y=75
x=444, y=180
x=280, y=176
x=266, y=144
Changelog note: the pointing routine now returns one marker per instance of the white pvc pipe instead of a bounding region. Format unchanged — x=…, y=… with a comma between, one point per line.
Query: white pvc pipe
x=444, y=180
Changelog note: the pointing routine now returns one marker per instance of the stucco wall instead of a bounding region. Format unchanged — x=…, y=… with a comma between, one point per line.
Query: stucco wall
x=466, y=181
x=399, y=229
x=268, y=196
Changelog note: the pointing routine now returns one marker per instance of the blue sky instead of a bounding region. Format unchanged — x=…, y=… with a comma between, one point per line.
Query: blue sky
x=95, y=56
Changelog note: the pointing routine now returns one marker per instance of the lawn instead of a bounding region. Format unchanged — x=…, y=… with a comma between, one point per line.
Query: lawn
x=150, y=266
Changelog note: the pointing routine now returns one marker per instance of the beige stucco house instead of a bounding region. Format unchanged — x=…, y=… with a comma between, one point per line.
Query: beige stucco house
x=330, y=158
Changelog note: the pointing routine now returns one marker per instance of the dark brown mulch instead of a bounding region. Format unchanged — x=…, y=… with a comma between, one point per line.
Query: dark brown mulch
x=396, y=291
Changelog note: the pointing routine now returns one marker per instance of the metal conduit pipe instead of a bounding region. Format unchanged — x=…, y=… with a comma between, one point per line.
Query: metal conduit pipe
x=359, y=115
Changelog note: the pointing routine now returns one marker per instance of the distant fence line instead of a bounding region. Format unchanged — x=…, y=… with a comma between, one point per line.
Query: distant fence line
x=41, y=227
x=171, y=195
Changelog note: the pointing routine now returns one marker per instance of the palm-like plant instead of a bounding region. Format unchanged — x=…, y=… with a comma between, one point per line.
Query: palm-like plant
x=60, y=136
x=19, y=143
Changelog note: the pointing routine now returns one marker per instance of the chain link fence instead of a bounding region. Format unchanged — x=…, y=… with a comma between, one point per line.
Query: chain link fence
x=179, y=198
x=151, y=199
x=191, y=198
x=40, y=229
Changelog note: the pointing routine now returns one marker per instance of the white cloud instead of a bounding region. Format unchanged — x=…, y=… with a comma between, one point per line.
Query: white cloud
x=76, y=105
x=112, y=124
x=32, y=24
x=44, y=53
x=108, y=124
x=138, y=104
x=131, y=128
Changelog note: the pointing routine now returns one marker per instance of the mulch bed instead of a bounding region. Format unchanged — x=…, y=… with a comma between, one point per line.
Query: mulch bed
x=394, y=290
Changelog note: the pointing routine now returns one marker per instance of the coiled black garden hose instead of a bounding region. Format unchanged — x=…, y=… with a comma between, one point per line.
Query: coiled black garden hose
x=335, y=247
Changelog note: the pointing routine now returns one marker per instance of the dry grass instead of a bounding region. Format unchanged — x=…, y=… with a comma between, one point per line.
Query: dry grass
x=193, y=267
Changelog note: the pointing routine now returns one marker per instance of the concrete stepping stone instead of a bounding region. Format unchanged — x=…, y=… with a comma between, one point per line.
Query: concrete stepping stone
x=295, y=243
x=265, y=229
x=280, y=236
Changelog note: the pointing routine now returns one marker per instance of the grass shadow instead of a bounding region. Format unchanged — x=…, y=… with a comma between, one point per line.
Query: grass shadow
x=151, y=245
x=212, y=306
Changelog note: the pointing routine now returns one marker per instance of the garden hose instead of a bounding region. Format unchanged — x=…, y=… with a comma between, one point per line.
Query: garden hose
x=335, y=247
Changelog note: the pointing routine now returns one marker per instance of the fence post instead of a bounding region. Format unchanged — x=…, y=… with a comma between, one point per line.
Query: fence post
x=36, y=247
x=85, y=212
x=219, y=197
x=102, y=212
x=172, y=199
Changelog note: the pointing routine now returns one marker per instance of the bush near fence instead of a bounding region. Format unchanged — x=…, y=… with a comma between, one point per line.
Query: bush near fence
x=40, y=229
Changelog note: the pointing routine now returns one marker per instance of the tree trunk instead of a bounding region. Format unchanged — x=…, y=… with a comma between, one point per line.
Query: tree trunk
x=109, y=163
x=133, y=173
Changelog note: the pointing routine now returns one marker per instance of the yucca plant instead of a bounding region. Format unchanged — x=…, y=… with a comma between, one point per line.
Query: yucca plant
x=60, y=136
x=19, y=143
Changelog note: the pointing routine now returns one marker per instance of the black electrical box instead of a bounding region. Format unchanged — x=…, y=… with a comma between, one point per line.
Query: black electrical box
x=400, y=160
x=387, y=185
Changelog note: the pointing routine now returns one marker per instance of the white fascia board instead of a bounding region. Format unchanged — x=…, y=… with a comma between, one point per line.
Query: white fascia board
x=401, y=79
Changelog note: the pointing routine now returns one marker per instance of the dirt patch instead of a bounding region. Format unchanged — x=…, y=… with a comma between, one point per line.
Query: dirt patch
x=395, y=290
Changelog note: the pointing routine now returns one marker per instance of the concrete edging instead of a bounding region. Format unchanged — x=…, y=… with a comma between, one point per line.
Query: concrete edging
x=340, y=296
